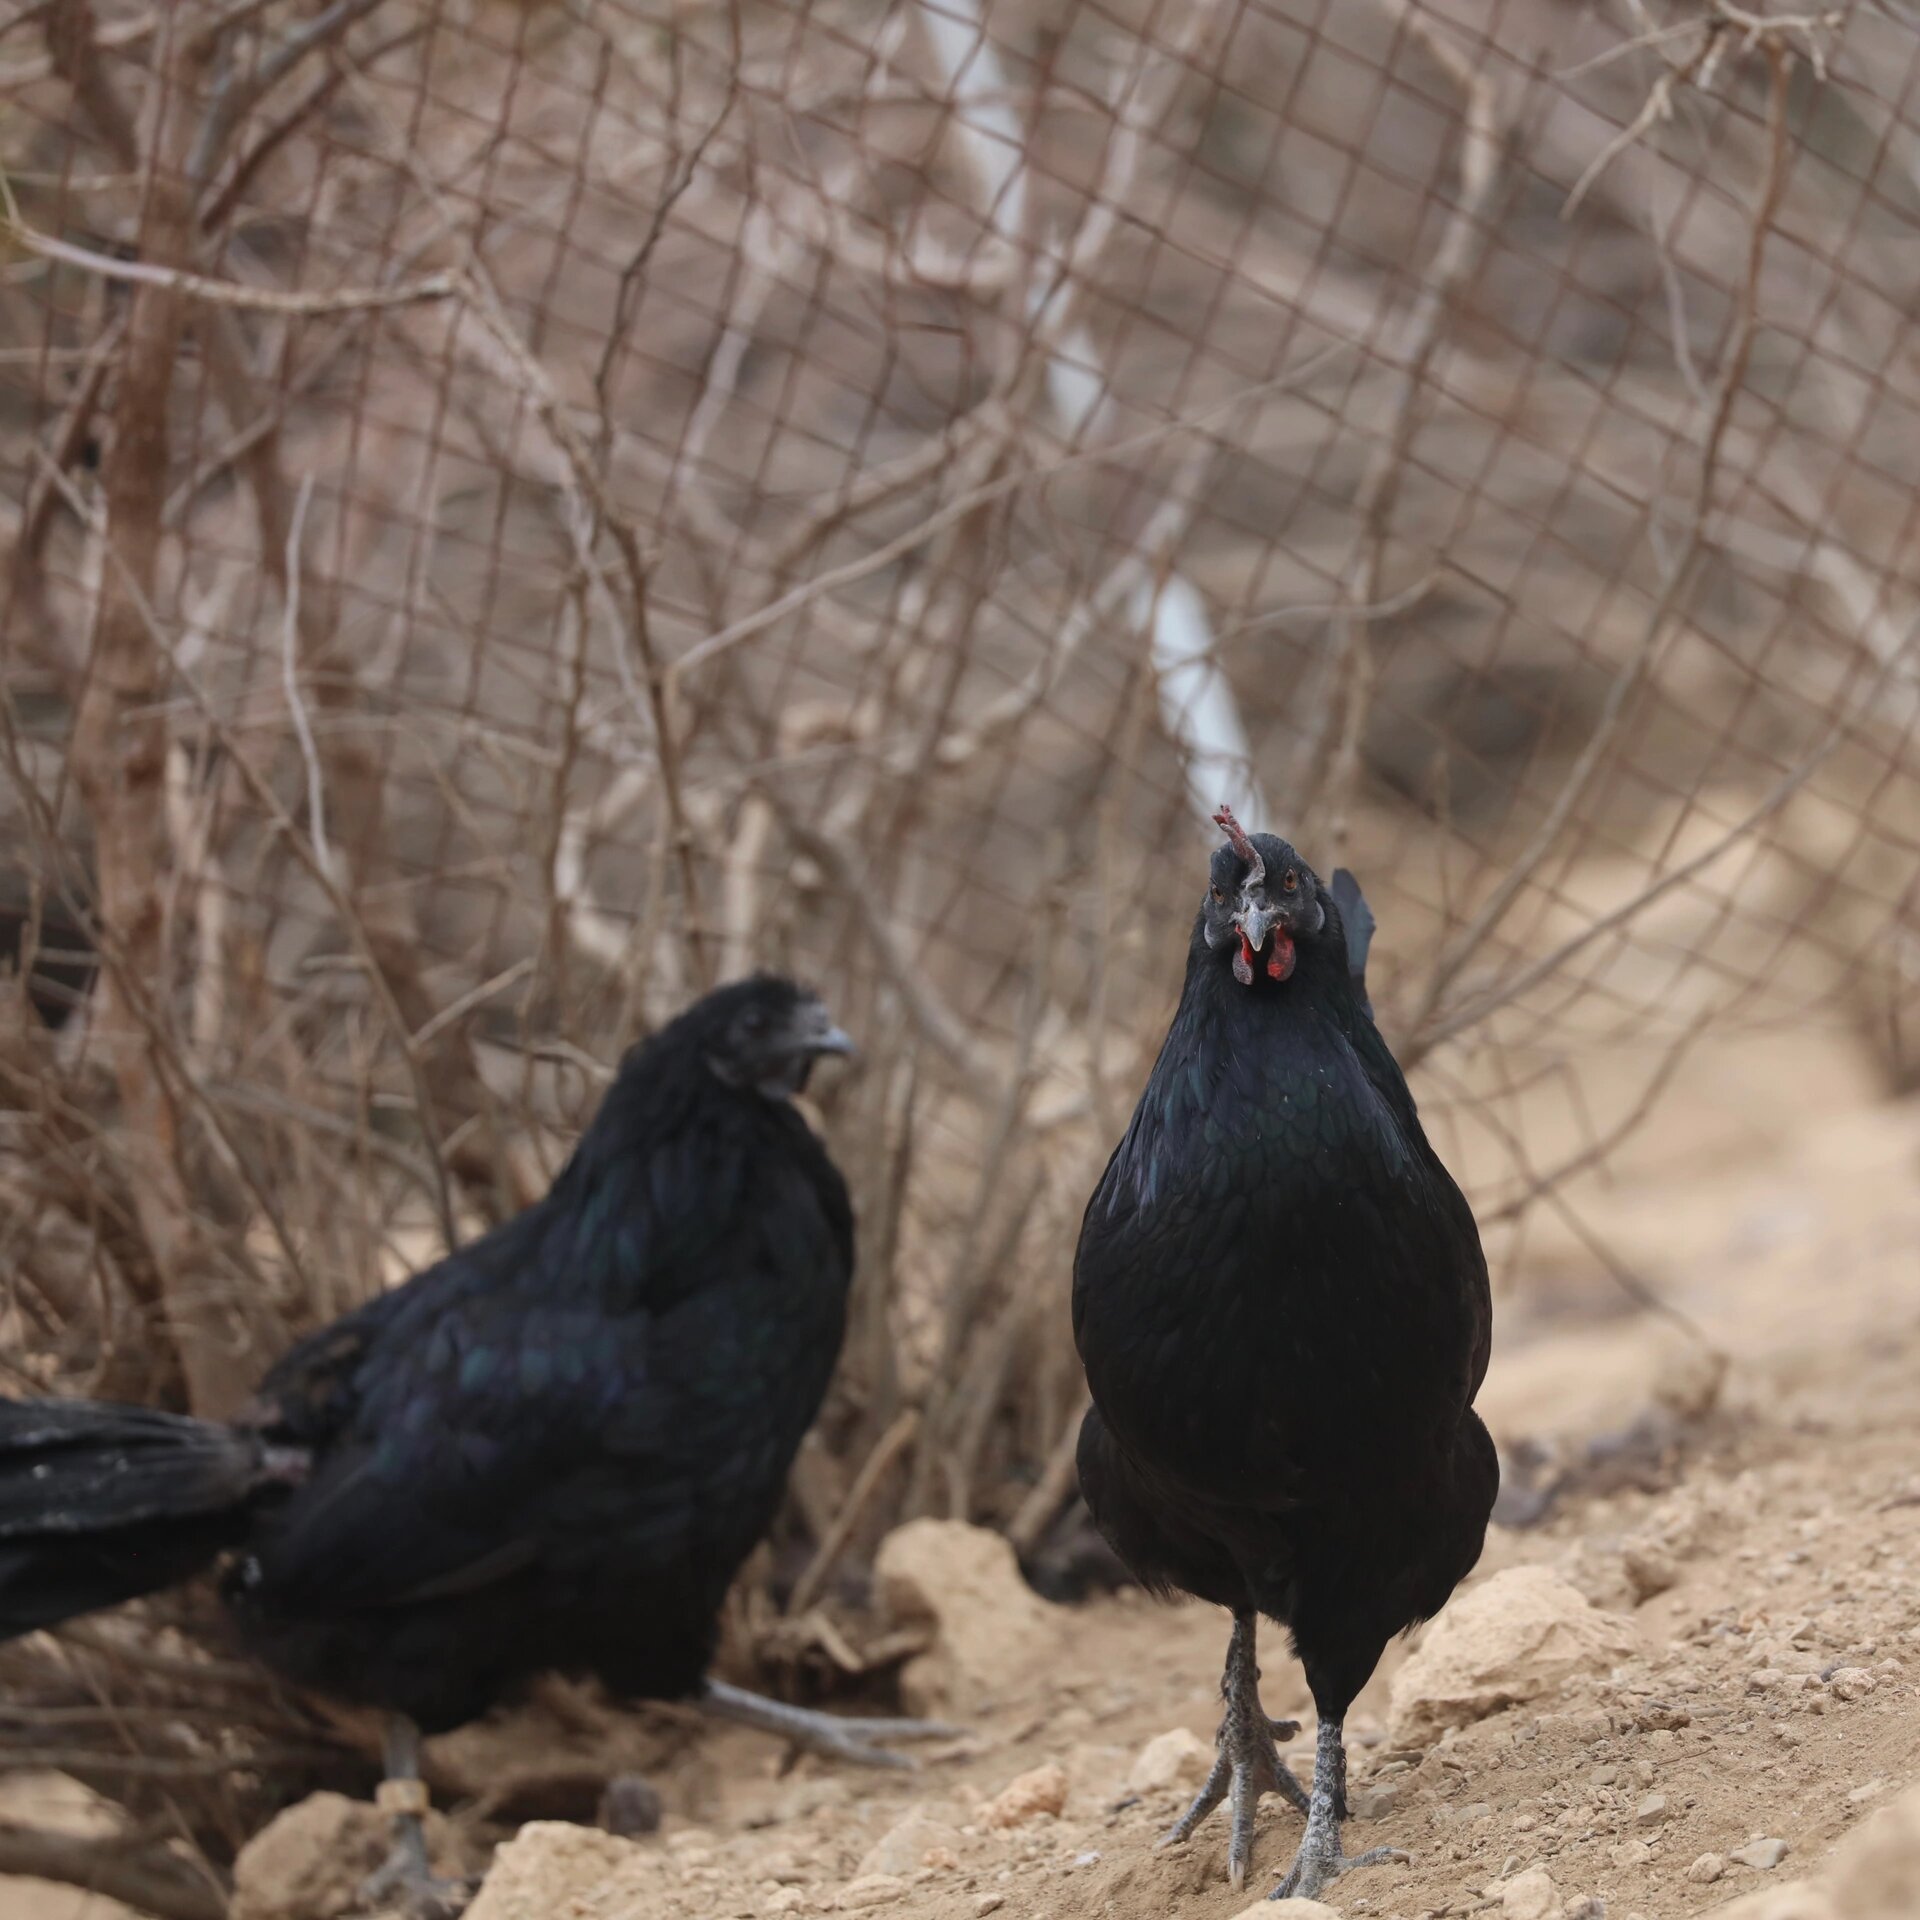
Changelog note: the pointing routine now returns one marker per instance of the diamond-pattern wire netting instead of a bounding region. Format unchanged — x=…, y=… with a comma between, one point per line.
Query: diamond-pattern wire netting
x=515, y=511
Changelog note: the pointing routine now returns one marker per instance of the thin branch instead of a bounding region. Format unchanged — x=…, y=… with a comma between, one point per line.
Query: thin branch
x=886, y=1450
x=290, y=677
x=236, y=94
x=223, y=293
x=147, y=1877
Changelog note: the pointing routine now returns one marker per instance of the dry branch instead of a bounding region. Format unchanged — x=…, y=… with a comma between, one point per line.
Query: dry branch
x=147, y=1877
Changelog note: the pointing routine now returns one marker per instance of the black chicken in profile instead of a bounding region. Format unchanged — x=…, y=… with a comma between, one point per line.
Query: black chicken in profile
x=551, y=1451
x=1282, y=1305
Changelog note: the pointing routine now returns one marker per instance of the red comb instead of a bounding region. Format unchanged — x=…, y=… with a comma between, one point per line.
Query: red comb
x=1237, y=839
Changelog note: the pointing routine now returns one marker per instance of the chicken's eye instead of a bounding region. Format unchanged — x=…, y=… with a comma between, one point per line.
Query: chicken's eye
x=1290, y=881
x=1218, y=896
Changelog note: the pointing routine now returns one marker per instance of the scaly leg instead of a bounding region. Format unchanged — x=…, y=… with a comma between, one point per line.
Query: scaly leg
x=1320, y=1862
x=406, y=1878
x=824, y=1733
x=1247, y=1759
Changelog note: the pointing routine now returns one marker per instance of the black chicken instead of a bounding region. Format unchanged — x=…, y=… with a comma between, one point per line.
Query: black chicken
x=551, y=1451
x=1282, y=1305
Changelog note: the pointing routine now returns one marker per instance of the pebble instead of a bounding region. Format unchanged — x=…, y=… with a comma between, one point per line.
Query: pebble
x=989, y=1903
x=1651, y=1811
x=1529, y=1896
x=786, y=1900
x=870, y=1890
x=1168, y=1759
x=1040, y=1790
x=1762, y=1855
x=1852, y=1683
x=1630, y=1853
x=1650, y=1570
x=1707, y=1869
x=1376, y=1800
x=910, y=1843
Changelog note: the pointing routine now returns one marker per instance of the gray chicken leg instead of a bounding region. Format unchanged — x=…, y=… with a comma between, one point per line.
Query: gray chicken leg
x=1247, y=1759
x=406, y=1878
x=1320, y=1862
x=837, y=1737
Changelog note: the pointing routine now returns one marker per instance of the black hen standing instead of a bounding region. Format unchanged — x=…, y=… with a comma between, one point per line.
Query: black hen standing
x=1282, y=1306
x=551, y=1451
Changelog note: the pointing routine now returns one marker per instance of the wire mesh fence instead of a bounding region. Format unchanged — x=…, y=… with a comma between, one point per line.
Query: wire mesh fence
x=516, y=512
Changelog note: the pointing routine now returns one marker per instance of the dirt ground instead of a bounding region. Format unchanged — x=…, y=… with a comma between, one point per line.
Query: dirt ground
x=1742, y=1676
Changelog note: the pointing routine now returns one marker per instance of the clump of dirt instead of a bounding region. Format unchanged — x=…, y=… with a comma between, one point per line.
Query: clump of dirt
x=1520, y=1635
x=990, y=1628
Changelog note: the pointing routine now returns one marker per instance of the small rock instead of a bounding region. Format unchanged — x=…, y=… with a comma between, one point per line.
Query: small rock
x=786, y=1900
x=1651, y=1811
x=1529, y=1896
x=988, y=1623
x=940, y=1860
x=1762, y=1855
x=869, y=1890
x=1289, y=1910
x=989, y=1903
x=629, y=1806
x=549, y=1863
x=1853, y=1683
x=1650, y=1570
x=1628, y=1854
x=1520, y=1634
x=1707, y=1869
x=307, y=1862
x=1376, y=1800
x=908, y=1844
x=1041, y=1790
x=1170, y=1759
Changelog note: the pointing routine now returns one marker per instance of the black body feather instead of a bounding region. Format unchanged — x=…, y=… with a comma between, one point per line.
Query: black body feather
x=1283, y=1308
x=552, y=1450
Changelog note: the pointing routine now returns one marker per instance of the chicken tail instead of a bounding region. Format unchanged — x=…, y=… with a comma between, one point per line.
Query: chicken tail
x=101, y=1503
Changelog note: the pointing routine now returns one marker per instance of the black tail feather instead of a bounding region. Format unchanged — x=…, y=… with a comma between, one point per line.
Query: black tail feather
x=1357, y=918
x=101, y=1503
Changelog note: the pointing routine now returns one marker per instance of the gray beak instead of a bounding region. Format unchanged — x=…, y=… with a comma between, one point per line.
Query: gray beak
x=1256, y=922
x=834, y=1040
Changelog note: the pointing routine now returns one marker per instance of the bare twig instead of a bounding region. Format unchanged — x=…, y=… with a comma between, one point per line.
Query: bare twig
x=147, y=1877
x=227, y=293
x=290, y=678
x=894, y=1442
